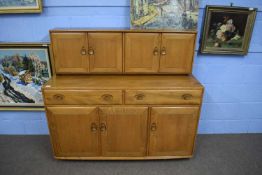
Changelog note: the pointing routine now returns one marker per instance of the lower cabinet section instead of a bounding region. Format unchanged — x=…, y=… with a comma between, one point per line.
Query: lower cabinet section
x=122, y=132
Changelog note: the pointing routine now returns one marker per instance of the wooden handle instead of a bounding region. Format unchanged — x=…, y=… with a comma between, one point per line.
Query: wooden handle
x=102, y=127
x=155, y=51
x=163, y=51
x=91, y=51
x=107, y=97
x=139, y=96
x=187, y=96
x=83, y=51
x=58, y=97
x=93, y=127
x=153, y=127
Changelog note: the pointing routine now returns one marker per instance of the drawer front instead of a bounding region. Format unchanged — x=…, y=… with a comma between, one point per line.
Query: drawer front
x=82, y=97
x=163, y=97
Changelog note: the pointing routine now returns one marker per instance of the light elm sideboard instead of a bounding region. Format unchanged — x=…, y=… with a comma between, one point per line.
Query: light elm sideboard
x=122, y=94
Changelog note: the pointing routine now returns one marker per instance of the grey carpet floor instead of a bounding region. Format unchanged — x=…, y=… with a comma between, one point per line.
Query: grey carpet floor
x=215, y=155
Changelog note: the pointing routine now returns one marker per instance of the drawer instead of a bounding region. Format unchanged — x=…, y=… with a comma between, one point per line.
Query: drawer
x=82, y=97
x=163, y=97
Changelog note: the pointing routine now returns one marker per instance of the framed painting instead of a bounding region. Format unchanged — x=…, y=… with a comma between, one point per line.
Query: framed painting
x=24, y=68
x=20, y=6
x=227, y=30
x=164, y=14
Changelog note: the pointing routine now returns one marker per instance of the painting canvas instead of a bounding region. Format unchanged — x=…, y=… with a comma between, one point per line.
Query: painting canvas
x=227, y=30
x=20, y=6
x=164, y=14
x=23, y=71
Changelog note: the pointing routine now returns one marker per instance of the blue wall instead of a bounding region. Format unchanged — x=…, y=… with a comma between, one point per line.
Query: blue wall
x=233, y=96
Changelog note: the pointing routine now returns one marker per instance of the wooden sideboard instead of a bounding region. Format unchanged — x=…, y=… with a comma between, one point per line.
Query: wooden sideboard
x=142, y=110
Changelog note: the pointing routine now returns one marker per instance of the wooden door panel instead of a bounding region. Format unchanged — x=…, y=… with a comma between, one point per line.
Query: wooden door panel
x=70, y=52
x=172, y=131
x=177, y=52
x=139, y=52
x=126, y=131
x=74, y=131
x=107, y=56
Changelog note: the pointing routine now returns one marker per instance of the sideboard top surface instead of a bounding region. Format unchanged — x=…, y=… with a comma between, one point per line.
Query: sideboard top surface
x=123, y=82
x=121, y=30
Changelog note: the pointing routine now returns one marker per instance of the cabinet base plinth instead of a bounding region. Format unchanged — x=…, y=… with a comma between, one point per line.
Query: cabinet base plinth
x=124, y=158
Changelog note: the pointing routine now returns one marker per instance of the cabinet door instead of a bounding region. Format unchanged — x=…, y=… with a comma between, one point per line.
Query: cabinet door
x=70, y=52
x=142, y=52
x=172, y=131
x=105, y=52
x=74, y=131
x=177, y=53
x=123, y=131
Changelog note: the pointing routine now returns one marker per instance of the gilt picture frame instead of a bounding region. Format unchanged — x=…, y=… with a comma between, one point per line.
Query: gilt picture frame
x=227, y=30
x=20, y=6
x=24, y=68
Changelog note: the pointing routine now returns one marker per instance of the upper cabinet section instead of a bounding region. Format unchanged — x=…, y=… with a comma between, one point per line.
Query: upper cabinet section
x=122, y=52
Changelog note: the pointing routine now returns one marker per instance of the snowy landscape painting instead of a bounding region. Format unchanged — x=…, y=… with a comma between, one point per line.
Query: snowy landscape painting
x=164, y=14
x=18, y=3
x=23, y=71
x=20, y=6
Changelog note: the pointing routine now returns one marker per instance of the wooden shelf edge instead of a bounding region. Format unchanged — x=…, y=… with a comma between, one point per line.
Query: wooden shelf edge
x=124, y=158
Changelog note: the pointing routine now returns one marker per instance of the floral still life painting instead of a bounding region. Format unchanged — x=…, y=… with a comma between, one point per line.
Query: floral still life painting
x=164, y=14
x=23, y=71
x=227, y=30
x=20, y=6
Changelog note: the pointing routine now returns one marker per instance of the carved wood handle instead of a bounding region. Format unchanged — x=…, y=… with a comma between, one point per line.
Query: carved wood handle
x=91, y=51
x=107, y=97
x=83, y=51
x=153, y=127
x=93, y=127
x=139, y=96
x=58, y=97
x=187, y=96
x=163, y=51
x=102, y=127
x=155, y=51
